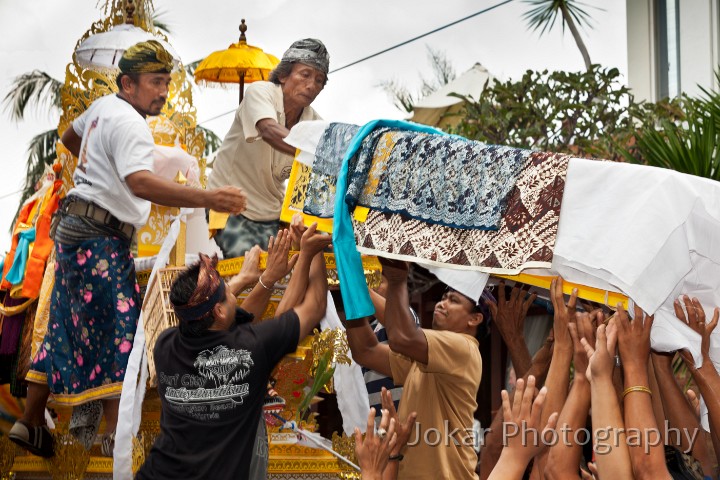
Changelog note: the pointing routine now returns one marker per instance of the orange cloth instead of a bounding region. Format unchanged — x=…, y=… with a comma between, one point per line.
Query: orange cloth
x=43, y=245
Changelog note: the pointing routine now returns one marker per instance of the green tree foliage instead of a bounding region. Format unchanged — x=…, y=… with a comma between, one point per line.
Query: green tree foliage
x=688, y=142
x=543, y=14
x=585, y=114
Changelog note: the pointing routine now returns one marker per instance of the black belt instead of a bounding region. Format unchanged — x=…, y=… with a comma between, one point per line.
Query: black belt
x=77, y=206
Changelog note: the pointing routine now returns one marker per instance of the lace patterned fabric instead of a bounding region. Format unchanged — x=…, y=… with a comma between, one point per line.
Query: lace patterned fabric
x=439, y=179
x=525, y=239
x=320, y=198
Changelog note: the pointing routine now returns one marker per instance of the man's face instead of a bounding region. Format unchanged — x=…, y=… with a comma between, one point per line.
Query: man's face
x=149, y=94
x=453, y=312
x=302, y=85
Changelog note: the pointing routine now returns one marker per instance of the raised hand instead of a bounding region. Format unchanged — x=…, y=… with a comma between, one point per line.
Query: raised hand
x=564, y=313
x=634, y=337
x=373, y=453
x=312, y=242
x=601, y=358
x=525, y=413
x=297, y=228
x=403, y=429
x=694, y=316
x=278, y=264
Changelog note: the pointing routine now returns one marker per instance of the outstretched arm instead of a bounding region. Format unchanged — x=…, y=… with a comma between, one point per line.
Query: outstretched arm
x=523, y=413
x=274, y=135
x=647, y=453
x=509, y=318
x=404, y=336
x=156, y=189
x=278, y=266
x=609, y=437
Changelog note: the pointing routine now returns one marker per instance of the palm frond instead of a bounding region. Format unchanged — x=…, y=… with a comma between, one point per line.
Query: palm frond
x=192, y=66
x=212, y=141
x=34, y=88
x=41, y=153
x=159, y=22
x=544, y=13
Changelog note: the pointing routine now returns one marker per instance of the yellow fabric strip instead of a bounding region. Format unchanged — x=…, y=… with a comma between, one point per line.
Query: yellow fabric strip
x=604, y=297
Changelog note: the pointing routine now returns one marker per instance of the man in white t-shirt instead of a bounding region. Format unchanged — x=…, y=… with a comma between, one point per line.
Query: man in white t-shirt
x=254, y=156
x=95, y=299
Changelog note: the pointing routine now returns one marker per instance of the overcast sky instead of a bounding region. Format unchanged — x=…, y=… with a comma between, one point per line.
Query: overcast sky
x=41, y=34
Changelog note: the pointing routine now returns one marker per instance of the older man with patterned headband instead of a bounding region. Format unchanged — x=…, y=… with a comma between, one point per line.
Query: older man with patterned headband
x=254, y=156
x=95, y=300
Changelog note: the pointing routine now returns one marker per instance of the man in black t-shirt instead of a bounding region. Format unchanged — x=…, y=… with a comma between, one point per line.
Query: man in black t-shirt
x=212, y=369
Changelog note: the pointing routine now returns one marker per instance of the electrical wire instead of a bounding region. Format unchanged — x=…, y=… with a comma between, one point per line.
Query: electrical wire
x=390, y=48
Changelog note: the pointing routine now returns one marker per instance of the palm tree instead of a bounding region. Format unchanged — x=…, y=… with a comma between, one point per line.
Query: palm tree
x=443, y=73
x=544, y=13
x=38, y=90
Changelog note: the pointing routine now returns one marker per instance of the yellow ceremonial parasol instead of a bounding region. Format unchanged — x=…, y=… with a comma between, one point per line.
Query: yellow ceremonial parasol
x=240, y=63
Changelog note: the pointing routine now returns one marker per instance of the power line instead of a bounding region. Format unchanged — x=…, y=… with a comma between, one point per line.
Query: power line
x=390, y=48
x=10, y=194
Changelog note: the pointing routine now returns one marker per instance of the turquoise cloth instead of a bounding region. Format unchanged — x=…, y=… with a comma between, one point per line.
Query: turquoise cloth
x=16, y=274
x=351, y=273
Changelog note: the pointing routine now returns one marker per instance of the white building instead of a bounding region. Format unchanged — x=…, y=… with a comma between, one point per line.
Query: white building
x=673, y=47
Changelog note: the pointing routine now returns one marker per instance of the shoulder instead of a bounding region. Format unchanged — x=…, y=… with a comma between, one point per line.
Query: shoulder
x=166, y=337
x=447, y=339
x=263, y=89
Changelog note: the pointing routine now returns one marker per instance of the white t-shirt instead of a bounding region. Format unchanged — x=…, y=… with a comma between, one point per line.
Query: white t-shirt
x=245, y=161
x=116, y=142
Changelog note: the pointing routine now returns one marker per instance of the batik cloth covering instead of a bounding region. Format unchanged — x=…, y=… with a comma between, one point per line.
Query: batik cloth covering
x=241, y=234
x=525, y=238
x=436, y=178
x=94, y=310
x=440, y=179
x=328, y=158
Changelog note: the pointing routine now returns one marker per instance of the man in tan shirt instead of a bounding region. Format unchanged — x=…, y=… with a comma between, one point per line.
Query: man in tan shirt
x=440, y=371
x=254, y=155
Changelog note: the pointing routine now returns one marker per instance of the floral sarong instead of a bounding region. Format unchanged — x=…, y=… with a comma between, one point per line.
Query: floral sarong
x=95, y=306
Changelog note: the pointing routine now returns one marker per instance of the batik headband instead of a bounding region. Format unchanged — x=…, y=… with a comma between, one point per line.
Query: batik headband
x=309, y=51
x=210, y=290
x=146, y=57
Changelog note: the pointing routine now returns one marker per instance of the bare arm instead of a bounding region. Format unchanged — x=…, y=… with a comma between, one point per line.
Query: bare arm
x=647, y=453
x=564, y=456
x=524, y=412
x=71, y=140
x=365, y=348
x=274, y=134
x=679, y=413
x=558, y=378
x=278, y=266
x=312, y=309
x=312, y=243
x=378, y=302
x=404, y=336
x=156, y=189
x=509, y=315
x=493, y=438
x=612, y=457
x=706, y=377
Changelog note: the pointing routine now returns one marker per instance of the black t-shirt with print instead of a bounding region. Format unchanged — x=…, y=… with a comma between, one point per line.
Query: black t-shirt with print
x=212, y=389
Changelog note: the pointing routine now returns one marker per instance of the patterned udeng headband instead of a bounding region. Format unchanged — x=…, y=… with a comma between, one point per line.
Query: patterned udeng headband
x=309, y=51
x=209, y=292
x=146, y=57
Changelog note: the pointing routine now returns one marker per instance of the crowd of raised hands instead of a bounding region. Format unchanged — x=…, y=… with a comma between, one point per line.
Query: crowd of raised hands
x=593, y=402
x=609, y=406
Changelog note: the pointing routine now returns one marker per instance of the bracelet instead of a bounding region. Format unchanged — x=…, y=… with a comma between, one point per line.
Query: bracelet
x=397, y=457
x=264, y=286
x=637, y=388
